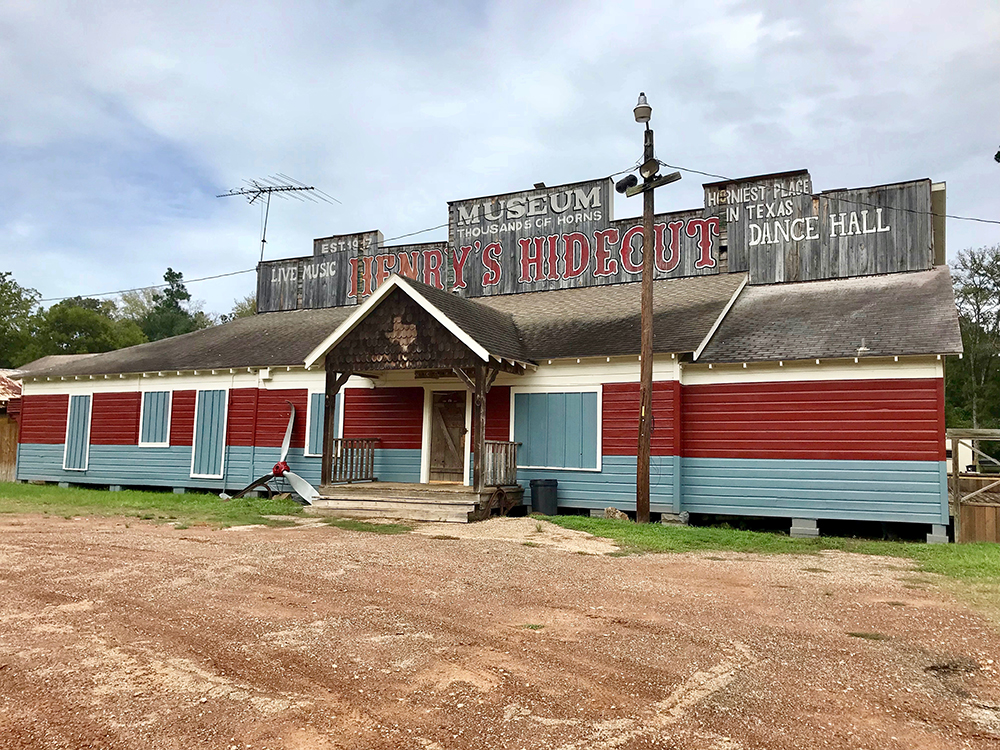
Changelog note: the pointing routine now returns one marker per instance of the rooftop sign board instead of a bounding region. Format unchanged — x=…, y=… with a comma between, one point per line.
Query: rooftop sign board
x=778, y=230
x=566, y=236
x=773, y=226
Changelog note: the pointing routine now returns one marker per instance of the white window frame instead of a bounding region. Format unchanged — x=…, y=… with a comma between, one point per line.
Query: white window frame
x=90, y=426
x=225, y=433
x=338, y=430
x=598, y=389
x=170, y=408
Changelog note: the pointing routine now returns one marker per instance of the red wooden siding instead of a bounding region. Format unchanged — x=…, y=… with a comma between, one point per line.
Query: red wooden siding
x=115, y=419
x=43, y=418
x=182, y=417
x=272, y=417
x=396, y=415
x=832, y=419
x=14, y=408
x=242, y=416
x=497, y=415
x=620, y=419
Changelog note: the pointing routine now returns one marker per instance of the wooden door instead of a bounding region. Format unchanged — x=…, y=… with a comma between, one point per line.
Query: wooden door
x=447, y=436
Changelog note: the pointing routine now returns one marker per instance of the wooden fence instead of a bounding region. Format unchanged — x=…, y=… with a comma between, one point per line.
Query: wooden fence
x=500, y=466
x=974, y=498
x=977, y=518
x=353, y=460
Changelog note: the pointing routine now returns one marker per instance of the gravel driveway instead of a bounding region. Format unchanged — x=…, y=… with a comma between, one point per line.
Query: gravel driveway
x=147, y=636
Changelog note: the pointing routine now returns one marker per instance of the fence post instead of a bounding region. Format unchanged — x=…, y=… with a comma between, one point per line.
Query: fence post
x=956, y=478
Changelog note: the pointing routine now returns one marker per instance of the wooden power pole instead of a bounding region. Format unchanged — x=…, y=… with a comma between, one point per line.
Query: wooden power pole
x=651, y=181
x=646, y=350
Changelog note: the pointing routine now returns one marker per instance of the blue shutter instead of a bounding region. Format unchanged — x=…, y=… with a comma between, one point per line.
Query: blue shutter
x=317, y=414
x=209, y=434
x=588, y=430
x=77, y=434
x=155, y=417
x=556, y=430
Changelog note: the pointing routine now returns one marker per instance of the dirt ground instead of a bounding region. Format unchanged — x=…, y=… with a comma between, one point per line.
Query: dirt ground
x=143, y=636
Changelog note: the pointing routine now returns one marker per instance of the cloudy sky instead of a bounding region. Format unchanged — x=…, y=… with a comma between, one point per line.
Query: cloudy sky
x=120, y=122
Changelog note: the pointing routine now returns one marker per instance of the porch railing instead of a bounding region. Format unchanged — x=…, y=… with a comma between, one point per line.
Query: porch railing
x=353, y=460
x=500, y=464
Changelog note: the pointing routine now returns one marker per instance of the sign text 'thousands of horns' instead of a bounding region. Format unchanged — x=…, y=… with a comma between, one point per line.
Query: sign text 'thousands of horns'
x=567, y=236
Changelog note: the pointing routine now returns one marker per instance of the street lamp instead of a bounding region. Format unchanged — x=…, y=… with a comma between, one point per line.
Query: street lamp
x=649, y=168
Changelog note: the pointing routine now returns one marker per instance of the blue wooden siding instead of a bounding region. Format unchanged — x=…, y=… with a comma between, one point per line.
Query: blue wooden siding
x=556, y=429
x=904, y=491
x=77, y=433
x=155, y=427
x=317, y=412
x=209, y=434
x=907, y=491
x=170, y=466
x=614, y=485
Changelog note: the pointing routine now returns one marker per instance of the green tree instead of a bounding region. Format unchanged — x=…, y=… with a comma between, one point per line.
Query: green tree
x=172, y=313
x=974, y=378
x=135, y=306
x=79, y=326
x=244, y=307
x=16, y=306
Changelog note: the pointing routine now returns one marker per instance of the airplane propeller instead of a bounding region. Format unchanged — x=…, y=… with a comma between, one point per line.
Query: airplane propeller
x=281, y=470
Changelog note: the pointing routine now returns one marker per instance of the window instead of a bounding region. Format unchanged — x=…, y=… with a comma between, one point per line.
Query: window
x=315, y=422
x=208, y=451
x=154, y=422
x=557, y=430
x=77, y=451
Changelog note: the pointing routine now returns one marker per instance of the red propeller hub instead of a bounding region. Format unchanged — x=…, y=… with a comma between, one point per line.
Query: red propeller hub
x=280, y=468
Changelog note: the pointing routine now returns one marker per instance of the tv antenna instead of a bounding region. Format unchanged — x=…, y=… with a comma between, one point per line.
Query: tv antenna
x=284, y=187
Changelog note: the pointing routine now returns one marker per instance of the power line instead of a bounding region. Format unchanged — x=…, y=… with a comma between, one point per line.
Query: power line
x=382, y=245
x=151, y=286
x=210, y=278
x=842, y=200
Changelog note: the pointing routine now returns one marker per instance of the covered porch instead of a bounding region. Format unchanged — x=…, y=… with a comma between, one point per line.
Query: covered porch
x=450, y=350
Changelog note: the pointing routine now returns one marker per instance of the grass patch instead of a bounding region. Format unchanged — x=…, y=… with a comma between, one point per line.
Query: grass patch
x=532, y=626
x=190, y=509
x=869, y=636
x=351, y=524
x=974, y=564
x=530, y=544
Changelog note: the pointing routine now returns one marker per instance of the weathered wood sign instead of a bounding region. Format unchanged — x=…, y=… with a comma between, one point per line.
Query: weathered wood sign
x=561, y=237
x=305, y=283
x=362, y=243
x=773, y=226
x=779, y=231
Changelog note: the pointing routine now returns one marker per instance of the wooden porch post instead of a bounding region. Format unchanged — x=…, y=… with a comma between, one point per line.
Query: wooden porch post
x=479, y=456
x=479, y=385
x=334, y=383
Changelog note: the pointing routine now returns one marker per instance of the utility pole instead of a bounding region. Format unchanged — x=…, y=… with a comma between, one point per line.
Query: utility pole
x=646, y=351
x=631, y=186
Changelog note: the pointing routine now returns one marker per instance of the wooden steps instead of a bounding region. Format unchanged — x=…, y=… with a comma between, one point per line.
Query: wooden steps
x=452, y=503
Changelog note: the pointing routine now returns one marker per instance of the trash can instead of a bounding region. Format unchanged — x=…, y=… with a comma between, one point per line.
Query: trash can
x=543, y=496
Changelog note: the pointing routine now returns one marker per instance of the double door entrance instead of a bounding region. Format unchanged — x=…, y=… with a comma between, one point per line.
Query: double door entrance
x=447, y=436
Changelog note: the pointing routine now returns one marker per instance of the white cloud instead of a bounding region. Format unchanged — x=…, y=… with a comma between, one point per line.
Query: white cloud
x=122, y=121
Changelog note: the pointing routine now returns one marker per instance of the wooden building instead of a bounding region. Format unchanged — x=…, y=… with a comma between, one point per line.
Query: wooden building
x=798, y=368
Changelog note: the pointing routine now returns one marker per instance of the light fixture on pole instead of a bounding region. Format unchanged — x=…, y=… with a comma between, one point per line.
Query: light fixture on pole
x=631, y=186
